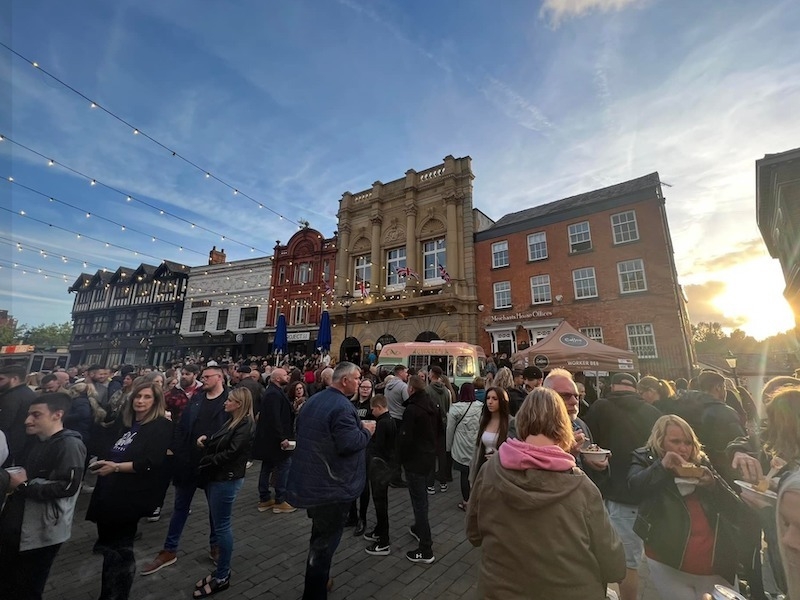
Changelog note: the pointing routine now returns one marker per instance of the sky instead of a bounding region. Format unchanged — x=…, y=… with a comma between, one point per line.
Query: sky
x=287, y=105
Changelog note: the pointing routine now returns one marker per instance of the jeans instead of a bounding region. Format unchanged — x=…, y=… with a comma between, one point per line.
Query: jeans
x=464, y=470
x=119, y=562
x=326, y=533
x=417, y=489
x=281, y=468
x=23, y=575
x=442, y=471
x=180, y=512
x=380, y=498
x=221, y=495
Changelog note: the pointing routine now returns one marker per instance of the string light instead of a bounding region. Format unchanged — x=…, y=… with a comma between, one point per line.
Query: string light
x=136, y=130
x=128, y=197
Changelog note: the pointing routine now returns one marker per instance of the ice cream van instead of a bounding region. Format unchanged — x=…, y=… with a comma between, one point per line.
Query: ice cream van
x=461, y=362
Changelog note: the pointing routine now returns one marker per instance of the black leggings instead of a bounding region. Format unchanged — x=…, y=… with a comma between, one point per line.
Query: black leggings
x=115, y=540
x=464, y=470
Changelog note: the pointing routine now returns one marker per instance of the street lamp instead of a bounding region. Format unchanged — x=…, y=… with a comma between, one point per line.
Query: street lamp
x=731, y=360
x=347, y=302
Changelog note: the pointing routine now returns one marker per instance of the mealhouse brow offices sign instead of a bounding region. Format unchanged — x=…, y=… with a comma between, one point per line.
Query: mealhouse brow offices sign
x=535, y=314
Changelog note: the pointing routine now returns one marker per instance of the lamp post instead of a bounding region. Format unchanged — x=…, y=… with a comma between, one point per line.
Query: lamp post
x=731, y=360
x=347, y=302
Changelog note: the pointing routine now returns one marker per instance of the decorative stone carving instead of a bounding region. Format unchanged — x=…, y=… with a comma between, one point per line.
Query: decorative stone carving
x=362, y=245
x=395, y=234
x=432, y=226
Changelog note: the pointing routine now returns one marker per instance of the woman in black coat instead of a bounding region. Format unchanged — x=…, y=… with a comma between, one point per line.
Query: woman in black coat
x=222, y=470
x=128, y=484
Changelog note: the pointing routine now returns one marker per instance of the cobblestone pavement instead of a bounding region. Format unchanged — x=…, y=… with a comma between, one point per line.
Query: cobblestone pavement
x=270, y=551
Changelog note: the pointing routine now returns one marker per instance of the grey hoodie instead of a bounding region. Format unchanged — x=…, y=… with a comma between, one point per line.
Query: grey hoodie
x=40, y=515
x=396, y=392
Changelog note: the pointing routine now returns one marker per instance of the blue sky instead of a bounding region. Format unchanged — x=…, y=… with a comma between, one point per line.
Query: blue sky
x=296, y=102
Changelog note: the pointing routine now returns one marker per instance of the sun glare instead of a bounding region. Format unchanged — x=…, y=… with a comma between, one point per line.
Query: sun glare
x=754, y=293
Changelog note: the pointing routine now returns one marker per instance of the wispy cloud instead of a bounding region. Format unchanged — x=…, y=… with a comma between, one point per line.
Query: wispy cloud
x=557, y=11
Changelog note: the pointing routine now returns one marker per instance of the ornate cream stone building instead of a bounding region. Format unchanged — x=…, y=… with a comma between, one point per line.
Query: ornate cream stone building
x=405, y=268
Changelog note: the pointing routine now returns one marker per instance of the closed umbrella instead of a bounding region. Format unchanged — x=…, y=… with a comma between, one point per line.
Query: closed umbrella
x=324, y=333
x=281, y=344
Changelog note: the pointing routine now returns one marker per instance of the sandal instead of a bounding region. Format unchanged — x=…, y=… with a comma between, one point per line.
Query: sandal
x=212, y=587
x=204, y=581
x=462, y=506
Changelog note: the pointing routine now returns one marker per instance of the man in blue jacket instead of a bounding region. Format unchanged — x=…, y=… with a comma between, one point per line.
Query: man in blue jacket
x=328, y=470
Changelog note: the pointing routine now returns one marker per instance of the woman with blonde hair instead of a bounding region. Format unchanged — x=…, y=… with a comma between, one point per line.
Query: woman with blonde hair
x=531, y=485
x=222, y=470
x=128, y=484
x=686, y=514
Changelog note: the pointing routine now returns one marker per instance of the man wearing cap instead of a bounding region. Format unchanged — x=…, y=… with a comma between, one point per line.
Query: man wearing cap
x=532, y=378
x=622, y=422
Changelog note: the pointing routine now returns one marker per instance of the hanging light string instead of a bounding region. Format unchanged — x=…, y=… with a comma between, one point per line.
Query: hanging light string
x=31, y=269
x=137, y=131
x=89, y=215
x=80, y=235
x=46, y=254
x=128, y=197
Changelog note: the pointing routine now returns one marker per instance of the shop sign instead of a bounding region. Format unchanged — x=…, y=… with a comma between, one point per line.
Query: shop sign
x=298, y=336
x=519, y=316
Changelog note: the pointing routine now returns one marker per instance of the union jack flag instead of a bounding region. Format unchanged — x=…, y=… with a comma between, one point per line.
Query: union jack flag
x=407, y=272
x=364, y=289
x=328, y=289
x=443, y=272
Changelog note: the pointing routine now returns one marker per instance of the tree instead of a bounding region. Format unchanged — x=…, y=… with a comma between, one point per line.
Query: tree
x=709, y=338
x=48, y=335
x=8, y=332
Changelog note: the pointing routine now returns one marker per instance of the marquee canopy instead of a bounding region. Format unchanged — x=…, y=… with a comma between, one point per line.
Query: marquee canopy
x=569, y=349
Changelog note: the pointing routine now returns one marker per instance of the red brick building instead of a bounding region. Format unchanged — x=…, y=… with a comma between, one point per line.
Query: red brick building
x=301, y=272
x=602, y=260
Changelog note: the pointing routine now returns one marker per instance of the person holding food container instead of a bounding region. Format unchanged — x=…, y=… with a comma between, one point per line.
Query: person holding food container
x=687, y=513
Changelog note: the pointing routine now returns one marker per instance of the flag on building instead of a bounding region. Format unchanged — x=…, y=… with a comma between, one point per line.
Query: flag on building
x=406, y=272
x=328, y=289
x=443, y=272
x=364, y=290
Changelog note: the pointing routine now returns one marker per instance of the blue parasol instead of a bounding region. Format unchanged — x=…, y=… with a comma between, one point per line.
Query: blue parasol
x=324, y=333
x=281, y=343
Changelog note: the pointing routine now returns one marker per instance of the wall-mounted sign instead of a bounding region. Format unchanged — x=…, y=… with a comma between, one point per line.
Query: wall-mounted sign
x=298, y=336
x=535, y=314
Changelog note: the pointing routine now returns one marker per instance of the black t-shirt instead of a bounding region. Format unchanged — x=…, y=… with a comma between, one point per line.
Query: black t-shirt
x=205, y=424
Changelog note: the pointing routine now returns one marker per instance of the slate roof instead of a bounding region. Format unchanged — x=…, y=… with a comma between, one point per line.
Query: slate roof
x=648, y=183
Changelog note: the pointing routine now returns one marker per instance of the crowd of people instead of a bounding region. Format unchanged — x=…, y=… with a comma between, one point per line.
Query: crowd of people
x=687, y=475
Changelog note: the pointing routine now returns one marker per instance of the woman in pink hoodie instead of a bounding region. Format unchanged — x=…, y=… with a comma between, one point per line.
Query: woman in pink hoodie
x=540, y=521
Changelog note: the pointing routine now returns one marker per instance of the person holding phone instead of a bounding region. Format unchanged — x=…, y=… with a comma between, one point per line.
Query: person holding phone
x=128, y=483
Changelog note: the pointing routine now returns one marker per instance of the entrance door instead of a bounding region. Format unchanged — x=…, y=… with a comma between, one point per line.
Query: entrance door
x=350, y=350
x=504, y=347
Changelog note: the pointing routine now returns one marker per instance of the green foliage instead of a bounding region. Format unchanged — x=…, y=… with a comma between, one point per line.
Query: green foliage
x=8, y=333
x=54, y=334
x=709, y=338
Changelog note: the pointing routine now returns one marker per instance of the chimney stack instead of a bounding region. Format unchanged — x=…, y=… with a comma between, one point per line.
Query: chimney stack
x=216, y=257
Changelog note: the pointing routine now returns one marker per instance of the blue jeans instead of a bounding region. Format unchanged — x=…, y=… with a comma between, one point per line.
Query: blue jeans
x=417, y=489
x=221, y=495
x=281, y=468
x=180, y=512
x=327, y=524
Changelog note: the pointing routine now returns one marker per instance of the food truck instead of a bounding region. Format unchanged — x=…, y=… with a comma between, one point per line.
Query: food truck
x=34, y=360
x=461, y=362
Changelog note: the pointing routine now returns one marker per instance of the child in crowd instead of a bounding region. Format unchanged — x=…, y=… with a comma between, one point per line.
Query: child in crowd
x=380, y=461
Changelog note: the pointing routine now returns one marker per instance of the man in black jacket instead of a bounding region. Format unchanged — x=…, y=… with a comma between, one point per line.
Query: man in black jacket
x=417, y=449
x=622, y=422
x=274, y=429
x=15, y=398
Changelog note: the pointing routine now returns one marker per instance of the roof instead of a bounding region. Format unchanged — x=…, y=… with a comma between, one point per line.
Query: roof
x=647, y=186
x=173, y=268
x=81, y=282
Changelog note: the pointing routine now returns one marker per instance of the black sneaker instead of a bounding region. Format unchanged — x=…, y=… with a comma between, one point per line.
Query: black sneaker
x=431, y=490
x=377, y=549
x=370, y=536
x=420, y=556
x=413, y=533
x=442, y=487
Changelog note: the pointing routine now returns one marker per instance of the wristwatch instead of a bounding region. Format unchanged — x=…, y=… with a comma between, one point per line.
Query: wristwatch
x=22, y=485
x=116, y=467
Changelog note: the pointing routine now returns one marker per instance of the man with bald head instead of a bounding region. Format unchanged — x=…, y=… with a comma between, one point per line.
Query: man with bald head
x=274, y=429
